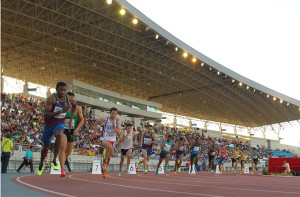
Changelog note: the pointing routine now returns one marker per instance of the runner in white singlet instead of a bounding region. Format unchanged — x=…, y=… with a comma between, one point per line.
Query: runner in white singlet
x=110, y=131
x=127, y=139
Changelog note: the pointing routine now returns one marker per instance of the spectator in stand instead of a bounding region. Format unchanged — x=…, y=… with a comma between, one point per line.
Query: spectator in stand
x=7, y=149
x=28, y=160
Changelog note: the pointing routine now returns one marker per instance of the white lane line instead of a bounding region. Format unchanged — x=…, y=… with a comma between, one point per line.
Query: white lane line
x=39, y=188
x=144, y=188
x=238, y=180
x=228, y=188
x=224, y=181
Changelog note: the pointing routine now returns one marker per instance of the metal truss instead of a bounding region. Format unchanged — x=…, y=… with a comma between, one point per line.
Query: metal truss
x=47, y=40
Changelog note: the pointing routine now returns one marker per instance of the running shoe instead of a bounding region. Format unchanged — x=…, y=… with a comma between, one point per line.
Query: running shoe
x=140, y=162
x=165, y=169
x=146, y=171
x=156, y=173
x=178, y=169
x=174, y=173
x=234, y=172
x=212, y=170
x=120, y=173
x=191, y=170
x=38, y=171
x=54, y=166
x=104, y=170
x=241, y=172
x=252, y=173
x=63, y=173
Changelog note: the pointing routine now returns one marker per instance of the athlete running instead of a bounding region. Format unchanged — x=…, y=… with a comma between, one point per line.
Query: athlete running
x=195, y=148
x=255, y=157
x=126, y=139
x=72, y=133
x=166, y=146
x=211, y=157
x=148, y=139
x=235, y=157
x=180, y=148
x=109, y=134
x=223, y=154
x=243, y=160
x=56, y=107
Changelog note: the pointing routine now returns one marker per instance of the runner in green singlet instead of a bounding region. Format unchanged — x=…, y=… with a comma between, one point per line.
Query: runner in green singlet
x=72, y=133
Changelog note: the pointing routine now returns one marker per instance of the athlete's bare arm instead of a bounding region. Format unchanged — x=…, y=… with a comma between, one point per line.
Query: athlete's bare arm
x=135, y=135
x=163, y=144
x=122, y=137
x=155, y=139
x=81, y=120
x=118, y=127
x=141, y=138
x=73, y=109
x=97, y=122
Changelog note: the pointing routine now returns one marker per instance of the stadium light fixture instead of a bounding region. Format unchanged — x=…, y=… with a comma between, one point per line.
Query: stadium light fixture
x=254, y=90
x=281, y=101
x=240, y=84
x=147, y=29
x=194, y=59
x=210, y=69
x=233, y=81
x=288, y=104
x=185, y=54
x=247, y=87
x=135, y=21
x=167, y=42
x=122, y=12
x=156, y=36
x=202, y=64
x=218, y=73
x=108, y=1
x=268, y=96
x=176, y=48
x=274, y=98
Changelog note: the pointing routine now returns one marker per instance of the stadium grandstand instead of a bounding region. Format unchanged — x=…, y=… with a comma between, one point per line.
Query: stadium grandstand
x=111, y=55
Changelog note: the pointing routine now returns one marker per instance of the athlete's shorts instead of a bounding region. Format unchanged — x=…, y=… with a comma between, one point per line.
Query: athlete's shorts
x=163, y=154
x=48, y=132
x=221, y=160
x=255, y=161
x=211, y=157
x=149, y=150
x=193, y=155
x=243, y=162
x=124, y=151
x=234, y=160
x=111, y=142
x=178, y=153
x=70, y=135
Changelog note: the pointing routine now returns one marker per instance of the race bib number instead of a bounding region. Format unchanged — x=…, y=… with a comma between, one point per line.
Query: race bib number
x=167, y=147
x=181, y=148
x=67, y=124
x=147, y=141
x=110, y=134
x=62, y=115
x=213, y=153
x=196, y=148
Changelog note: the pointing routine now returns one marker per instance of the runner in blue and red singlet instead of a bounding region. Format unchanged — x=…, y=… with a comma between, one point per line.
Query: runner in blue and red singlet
x=55, y=115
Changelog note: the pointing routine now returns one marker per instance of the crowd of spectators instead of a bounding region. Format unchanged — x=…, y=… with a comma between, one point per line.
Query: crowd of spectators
x=22, y=118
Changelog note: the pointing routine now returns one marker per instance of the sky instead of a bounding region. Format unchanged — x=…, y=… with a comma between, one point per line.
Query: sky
x=259, y=39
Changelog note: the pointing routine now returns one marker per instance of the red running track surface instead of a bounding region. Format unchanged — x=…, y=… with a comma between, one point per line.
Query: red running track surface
x=166, y=185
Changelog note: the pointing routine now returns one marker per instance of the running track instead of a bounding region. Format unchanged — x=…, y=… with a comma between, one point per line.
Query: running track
x=167, y=185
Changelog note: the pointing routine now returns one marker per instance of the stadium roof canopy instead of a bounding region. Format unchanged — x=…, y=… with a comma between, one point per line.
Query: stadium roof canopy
x=89, y=40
